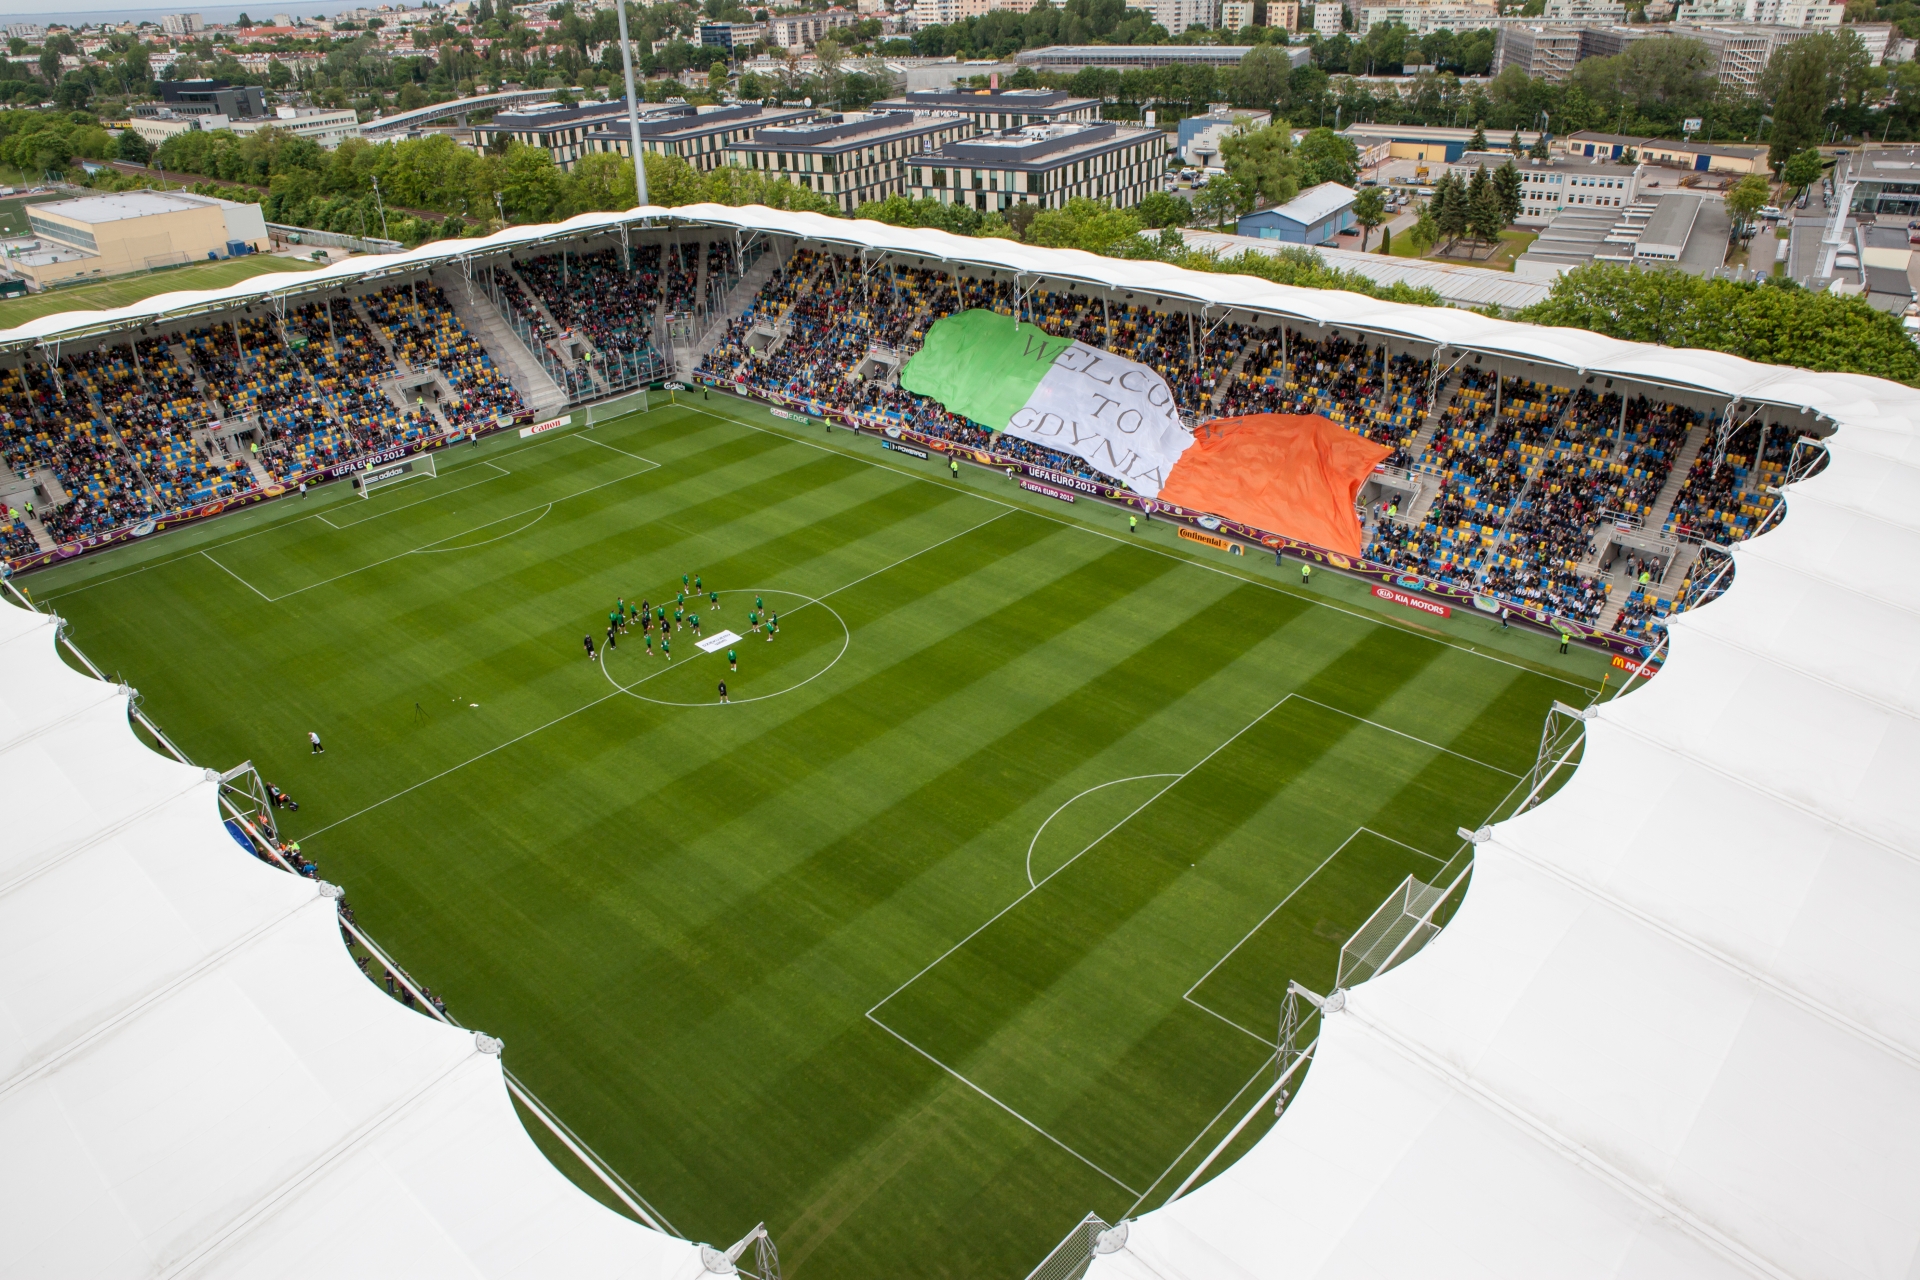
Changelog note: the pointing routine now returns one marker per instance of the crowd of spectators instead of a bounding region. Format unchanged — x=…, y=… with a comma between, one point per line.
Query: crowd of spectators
x=1727, y=502
x=119, y=426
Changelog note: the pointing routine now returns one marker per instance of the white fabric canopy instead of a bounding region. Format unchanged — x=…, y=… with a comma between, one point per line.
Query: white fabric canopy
x=1674, y=1029
x=195, y=1080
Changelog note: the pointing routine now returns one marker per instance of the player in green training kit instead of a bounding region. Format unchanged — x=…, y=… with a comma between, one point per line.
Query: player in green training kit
x=733, y=659
x=666, y=648
x=713, y=598
x=683, y=586
x=758, y=604
x=649, y=644
x=770, y=621
x=693, y=621
x=697, y=587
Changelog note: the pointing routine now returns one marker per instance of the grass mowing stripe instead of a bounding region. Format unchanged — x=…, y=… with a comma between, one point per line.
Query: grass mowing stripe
x=678, y=917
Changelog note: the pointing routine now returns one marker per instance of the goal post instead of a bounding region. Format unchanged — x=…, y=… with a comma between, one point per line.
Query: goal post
x=382, y=474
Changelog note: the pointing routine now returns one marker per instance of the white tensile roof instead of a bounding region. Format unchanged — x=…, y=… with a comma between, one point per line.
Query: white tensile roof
x=1673, y=1030
x=194, y=1077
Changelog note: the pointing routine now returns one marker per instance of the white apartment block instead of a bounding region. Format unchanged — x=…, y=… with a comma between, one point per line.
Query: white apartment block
x=1178, y=15
x=1327, y=16
x=1235, y=14
x=805, y=30
x=182, y=24
x=1586, y=11
x=1780, y=13
x=1422, y=19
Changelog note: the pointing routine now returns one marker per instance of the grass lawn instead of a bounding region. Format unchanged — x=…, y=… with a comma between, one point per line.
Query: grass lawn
x=1512, y=245
x=13, y=212
x=130, y=289
x=896, y=951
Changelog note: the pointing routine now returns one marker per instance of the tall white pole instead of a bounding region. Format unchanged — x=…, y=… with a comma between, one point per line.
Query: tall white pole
x=633, y=107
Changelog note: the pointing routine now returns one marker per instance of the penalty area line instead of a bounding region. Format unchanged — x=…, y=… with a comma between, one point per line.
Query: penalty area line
x=1009, y=1110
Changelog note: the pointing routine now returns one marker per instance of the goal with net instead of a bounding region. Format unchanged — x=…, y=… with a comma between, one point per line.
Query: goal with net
x=382, y=474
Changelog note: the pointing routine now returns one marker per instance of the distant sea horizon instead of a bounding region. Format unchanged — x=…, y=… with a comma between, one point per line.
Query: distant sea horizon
x=16, y=11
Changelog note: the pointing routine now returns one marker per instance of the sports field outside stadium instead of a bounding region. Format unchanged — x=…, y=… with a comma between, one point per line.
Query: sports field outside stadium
x=971, y=913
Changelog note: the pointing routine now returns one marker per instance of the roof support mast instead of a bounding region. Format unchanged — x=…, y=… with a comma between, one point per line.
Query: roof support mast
x=633, y=110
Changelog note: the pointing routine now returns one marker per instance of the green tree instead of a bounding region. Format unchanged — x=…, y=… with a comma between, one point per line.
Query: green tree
x=1224, y=199
x=1802, y=169
x=1513, y=143
x=132, y=148
x=717, y=78
x=1425, y=232
x=1326, y=156
x=1386, y=240
x=1485, y=217
x=1264, y=161
x=1369, y=210
x=1759, y=320
x=1746, y=198
x=1451, y=210
x=1506, y=182
x=1164, y=209
x=1802, y=80
x=1479, y=140
x=1086, y=224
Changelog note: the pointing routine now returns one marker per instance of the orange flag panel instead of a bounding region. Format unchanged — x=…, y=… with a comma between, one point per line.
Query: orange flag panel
x=1293, y=474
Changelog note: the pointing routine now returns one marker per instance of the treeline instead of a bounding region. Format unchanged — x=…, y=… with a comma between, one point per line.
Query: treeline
x=1773, y=321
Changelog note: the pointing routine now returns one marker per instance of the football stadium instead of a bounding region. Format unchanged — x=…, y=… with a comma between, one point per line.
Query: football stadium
x=663, y=745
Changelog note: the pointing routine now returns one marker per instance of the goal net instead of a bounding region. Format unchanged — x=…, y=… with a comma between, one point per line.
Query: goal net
x=382, y=474
x=1400, y=927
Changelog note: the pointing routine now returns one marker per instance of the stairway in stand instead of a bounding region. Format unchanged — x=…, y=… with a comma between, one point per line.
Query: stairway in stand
x=688, y=359
x=538, y=391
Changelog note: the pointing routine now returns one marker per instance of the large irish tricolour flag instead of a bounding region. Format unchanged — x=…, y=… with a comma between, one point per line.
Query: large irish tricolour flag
x=1292, y=474
x=1117, y=414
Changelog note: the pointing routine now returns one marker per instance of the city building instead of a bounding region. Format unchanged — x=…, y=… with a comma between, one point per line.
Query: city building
x=733, y=35
x=1179, y=15
x=1329, y=19
x=1046, y=165
x=182, y=24
x=26, y=31
x=208, y=98
x=1199, y=137
x=1680, y=230
x=329, y=128
x=1887, y=181
x=1547, y=187
x=940, y=13
x=1315, y=216
x=1543, y=52
x=1284, y=14
x=991, y=109
x=853, y=157
x=1129, y=57
x=1786, y=13
x=1422, y=142
x=561, y=131
x=1595, y=11
x=110, y=235
x=1424, y=17
x=1703, y=157
x=1235, y=14
x=803, y=31
x=700, y=136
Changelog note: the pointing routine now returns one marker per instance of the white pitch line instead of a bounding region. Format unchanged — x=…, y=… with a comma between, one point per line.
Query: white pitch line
x=1004, y=1107
x=618, y=691
x=1069, y=800
x=928, y=967
x=237, y=578
x=1278, y=589
x=1385, y=728
x=1208, y=1128
x=389, y=510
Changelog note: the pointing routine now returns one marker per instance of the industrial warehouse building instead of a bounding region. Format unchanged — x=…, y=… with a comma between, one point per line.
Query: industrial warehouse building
x=98, y=236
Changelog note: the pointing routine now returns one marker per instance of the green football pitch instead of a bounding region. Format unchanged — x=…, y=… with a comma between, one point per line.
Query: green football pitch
x=974, y=910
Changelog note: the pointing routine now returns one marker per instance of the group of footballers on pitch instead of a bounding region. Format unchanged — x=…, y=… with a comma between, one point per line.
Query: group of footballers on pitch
x=646, y=615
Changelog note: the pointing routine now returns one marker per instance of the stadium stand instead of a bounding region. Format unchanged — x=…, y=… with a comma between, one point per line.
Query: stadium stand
x=1604, y=1072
